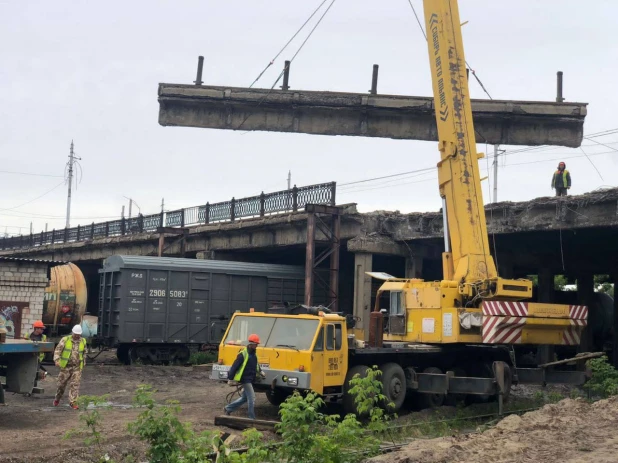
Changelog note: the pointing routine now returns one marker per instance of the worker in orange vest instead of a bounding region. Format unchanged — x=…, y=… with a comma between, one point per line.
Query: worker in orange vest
x=561, y=181
x=38, y=336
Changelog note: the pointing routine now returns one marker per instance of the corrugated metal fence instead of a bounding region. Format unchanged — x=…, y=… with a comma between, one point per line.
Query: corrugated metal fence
x=227, y=211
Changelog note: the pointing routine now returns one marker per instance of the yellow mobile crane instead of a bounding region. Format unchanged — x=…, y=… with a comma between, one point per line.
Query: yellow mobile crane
x=441, y=340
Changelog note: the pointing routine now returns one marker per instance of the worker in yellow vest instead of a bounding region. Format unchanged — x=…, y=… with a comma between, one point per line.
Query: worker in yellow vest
x=561, y=181
x=37, y=336
x=245, y=370
x=69, y=357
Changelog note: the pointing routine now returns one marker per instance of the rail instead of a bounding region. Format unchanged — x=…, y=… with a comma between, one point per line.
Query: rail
x=227, y=211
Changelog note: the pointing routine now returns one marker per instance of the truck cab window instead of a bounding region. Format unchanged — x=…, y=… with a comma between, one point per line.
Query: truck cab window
x=338, y=333
x=330, y=337
x=319, y=343
x=396, y=303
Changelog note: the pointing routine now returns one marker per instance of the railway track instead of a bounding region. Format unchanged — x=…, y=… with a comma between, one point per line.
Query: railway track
x=240, y=423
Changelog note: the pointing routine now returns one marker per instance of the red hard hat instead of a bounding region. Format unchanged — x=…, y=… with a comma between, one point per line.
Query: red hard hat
x=38, y=324
x=254, y=338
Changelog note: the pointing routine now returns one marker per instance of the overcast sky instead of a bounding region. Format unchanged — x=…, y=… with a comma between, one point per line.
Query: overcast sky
x=89, y=71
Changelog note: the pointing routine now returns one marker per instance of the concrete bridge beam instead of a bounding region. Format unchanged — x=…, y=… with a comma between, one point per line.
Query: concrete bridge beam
x=383, y=116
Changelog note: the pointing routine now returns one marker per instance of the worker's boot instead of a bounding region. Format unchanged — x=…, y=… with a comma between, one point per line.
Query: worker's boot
x=74, y=406
x=56, y=402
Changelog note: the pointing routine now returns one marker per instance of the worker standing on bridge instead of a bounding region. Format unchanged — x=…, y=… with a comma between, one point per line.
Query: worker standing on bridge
x=69, y=357
x=245, y=370
x=561, y=180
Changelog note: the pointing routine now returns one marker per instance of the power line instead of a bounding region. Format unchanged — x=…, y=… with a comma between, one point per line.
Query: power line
x=288, y=42
x=386, y=176
x=291, y=60
x=29, y=173
x=589, y=137
x=467, y=64
x=590, y=160
x=421, y=171
x=32, y=200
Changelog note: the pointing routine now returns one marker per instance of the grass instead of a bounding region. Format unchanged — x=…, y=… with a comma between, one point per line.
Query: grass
x=202, y=357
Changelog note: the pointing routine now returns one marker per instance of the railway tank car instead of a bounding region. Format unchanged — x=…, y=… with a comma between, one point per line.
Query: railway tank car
x=159, y=310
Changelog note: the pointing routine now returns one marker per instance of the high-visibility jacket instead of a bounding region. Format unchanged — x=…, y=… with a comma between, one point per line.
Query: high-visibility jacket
x=65, y=356
x=43, y=339
x=561, y=179
x=245, y=358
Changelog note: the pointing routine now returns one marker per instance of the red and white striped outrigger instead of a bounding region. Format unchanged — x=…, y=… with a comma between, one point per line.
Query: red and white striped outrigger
x=532, y=323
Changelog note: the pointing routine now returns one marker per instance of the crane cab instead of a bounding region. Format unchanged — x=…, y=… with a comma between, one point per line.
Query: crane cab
x=297, y=352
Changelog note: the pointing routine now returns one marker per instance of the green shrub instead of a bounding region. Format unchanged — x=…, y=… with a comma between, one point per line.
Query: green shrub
x=604, y=377
x=202, y=357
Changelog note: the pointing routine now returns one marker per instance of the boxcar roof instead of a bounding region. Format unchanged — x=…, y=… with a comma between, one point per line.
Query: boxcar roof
x=118, y=262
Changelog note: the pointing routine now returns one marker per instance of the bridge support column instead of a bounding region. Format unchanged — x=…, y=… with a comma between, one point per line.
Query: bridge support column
x=615, y=323
x=545, y=354
x=414, y=267
x=362, y=290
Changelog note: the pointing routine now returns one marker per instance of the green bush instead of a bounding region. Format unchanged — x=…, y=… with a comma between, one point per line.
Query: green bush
x=201, y=358
x=158, y=426
x=604, y=377
x=310, y=436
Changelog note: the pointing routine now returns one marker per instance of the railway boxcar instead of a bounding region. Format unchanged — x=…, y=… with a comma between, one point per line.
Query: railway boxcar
x=158, y=309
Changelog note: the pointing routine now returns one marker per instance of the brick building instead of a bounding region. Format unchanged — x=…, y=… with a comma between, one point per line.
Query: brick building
x=22, y=291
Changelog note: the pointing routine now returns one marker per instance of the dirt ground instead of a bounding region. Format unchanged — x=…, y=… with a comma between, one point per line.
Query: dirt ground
x=32, y=429
x=569, y=431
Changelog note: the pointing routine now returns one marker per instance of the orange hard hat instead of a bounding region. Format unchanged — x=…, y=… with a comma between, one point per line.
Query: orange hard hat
x=38, y=324
x=254, y=338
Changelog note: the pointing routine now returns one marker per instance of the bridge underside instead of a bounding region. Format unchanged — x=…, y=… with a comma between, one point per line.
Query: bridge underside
x=384, y=116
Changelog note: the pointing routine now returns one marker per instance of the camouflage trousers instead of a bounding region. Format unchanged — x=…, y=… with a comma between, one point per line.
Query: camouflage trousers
x=71, y=376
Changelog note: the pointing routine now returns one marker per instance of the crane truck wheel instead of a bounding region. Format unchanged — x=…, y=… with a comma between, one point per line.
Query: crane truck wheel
x=427, y=399
x=348, y=400
x=393, y=386
x=276, y=396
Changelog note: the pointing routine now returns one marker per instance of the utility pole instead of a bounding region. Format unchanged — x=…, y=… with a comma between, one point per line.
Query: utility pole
x=72, y=159
x=122, y=213
x=496, y=152
x=130, y=206
x=162, y=204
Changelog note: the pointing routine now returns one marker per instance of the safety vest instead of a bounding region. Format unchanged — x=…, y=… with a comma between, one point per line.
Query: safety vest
x=565, y=173
x=43, y=339
x=66, y=353
x=241, y=370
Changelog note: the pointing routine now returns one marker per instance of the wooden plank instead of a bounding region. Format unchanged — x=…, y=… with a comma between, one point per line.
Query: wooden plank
x=579, y=358
x=235, y=422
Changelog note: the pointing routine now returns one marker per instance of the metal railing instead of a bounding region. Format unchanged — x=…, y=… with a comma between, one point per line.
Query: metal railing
x=227, y=211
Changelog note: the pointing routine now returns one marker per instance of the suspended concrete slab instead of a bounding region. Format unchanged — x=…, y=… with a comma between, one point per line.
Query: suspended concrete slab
x=364, y=115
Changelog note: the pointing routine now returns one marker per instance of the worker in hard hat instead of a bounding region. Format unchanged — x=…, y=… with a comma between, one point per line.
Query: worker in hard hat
x=37, y=336
x=69, y=357
x=561, y=181
x=245, y=370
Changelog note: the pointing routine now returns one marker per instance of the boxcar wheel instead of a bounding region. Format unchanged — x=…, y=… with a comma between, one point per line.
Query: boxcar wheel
x=122, y=354
x=393, y=386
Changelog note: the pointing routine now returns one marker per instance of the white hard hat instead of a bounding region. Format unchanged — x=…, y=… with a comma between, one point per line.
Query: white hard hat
x=77, y=329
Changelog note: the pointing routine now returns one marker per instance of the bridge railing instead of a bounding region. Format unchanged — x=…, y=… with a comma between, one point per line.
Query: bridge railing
x=227, y=211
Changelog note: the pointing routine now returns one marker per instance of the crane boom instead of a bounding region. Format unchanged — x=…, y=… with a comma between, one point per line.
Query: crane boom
x=469, y=262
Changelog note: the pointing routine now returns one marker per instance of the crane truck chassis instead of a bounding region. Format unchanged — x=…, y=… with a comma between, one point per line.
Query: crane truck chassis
x=316, y=351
